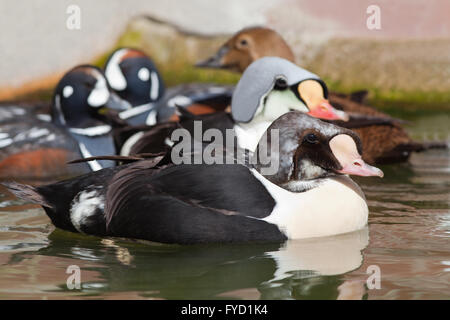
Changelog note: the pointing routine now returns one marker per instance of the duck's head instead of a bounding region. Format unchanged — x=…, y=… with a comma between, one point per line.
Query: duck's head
x=309, y=150
x=272, y=86
x=81, y=97
x=134, y=76
x=247, y=46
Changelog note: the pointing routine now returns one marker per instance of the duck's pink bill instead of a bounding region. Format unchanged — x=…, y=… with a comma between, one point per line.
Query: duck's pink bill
x=359, y=168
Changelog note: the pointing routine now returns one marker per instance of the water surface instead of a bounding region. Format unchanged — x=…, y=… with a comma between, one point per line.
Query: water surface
x=408, y=239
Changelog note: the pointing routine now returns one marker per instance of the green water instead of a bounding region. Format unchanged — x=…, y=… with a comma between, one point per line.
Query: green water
x=408, y=239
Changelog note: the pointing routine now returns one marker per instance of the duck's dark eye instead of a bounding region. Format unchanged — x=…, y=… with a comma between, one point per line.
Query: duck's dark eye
x=243, y=42
x=311, y=138
x=280, y=84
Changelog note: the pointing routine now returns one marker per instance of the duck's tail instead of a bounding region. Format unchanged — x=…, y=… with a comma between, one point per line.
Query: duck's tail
x=27, y=192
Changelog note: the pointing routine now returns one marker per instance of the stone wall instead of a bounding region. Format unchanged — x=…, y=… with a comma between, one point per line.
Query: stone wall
x=409, y=57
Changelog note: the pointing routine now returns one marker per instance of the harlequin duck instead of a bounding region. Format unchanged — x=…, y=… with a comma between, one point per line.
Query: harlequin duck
x=33, y=149
x=136, y=79
x=306, y=194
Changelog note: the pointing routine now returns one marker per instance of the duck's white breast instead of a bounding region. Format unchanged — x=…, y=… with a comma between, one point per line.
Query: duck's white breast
x=336, y=206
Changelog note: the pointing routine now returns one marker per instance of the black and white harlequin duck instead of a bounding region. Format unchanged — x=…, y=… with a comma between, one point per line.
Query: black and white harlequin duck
x=33, y=149
x=136, y=79
x=307, y=194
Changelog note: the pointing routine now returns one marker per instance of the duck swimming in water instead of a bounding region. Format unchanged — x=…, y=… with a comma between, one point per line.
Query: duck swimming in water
x=307, y=195
x=33, y=149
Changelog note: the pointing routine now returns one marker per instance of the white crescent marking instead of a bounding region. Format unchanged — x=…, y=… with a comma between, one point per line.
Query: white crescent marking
x=154, y=91
x=113, y=72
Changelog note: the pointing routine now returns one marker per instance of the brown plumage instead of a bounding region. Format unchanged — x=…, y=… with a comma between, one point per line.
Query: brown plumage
x=384, y=140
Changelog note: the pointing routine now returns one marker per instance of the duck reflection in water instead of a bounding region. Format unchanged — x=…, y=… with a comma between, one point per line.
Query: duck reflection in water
x=296, y=269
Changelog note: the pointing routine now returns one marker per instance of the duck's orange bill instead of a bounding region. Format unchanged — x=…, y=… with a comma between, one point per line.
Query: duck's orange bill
x=324, y=110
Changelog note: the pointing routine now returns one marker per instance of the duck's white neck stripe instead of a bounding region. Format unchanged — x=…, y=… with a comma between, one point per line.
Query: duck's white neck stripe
x=95, y=166
x=92, y=131
x=154, y=86
x=134, y=111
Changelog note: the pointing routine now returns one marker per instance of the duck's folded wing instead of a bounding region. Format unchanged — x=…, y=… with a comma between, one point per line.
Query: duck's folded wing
x=189, y=204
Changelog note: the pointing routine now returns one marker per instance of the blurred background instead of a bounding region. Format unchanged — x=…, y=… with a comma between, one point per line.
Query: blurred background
x=405, y=63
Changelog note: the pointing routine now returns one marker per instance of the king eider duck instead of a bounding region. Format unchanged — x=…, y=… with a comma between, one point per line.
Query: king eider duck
x=384, y=139
x=33, y=149
x=270, y=87
x=307, y=194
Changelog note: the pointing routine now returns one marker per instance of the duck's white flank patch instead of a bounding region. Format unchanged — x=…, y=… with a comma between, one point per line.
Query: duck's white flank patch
x=92, y=131
x=154, y=91
x=126, y=148
x=84, y=205
x=95, y=166
x=335, y=206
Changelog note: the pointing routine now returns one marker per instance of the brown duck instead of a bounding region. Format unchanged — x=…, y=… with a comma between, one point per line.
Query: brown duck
x=383, y=138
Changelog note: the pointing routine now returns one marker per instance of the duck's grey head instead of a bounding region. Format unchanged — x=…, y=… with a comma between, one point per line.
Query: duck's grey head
x=272, y=86
x=309, y=149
